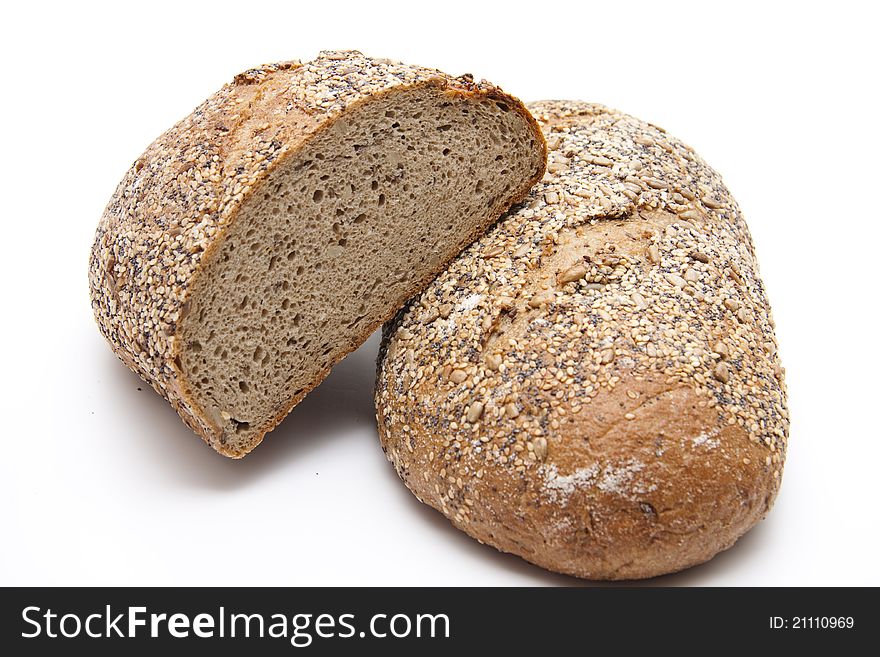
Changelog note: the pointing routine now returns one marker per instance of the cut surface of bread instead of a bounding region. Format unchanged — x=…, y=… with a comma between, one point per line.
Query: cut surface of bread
x=340, y=188
x=594, y=384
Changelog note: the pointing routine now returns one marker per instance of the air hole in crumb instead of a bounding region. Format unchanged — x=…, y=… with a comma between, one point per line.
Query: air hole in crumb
x=446, y=151
x=318, y=196
x=259, y=354
x=381, y=200
x=240, y=426
x=360, y=218
x=243, y=386
x=374, y=185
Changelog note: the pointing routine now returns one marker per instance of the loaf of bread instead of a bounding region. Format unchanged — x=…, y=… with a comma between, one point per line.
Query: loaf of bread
x=271, y=231
x=594, y=384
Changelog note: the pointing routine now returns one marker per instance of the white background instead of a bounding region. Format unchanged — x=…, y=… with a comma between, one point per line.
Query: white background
x=102, y=484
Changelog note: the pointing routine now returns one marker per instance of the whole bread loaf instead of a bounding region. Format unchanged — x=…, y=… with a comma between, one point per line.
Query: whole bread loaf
x=594, y=384
x=268, y=233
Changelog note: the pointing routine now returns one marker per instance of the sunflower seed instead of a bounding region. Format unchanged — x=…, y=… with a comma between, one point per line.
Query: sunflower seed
x=539, y=445
x=475, y=412
x=676, y=280
x=458, y=376
x=573, y=273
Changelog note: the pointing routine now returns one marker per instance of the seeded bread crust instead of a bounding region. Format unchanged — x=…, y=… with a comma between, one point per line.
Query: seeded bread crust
x=594, y=384
x=170, y=211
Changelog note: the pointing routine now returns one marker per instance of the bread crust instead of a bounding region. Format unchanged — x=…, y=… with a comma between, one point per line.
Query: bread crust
x=173, y=207
x=594, y=384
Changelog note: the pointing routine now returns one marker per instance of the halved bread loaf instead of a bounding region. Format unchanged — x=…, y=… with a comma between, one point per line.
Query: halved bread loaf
x=270, y=232
x=594, y=384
